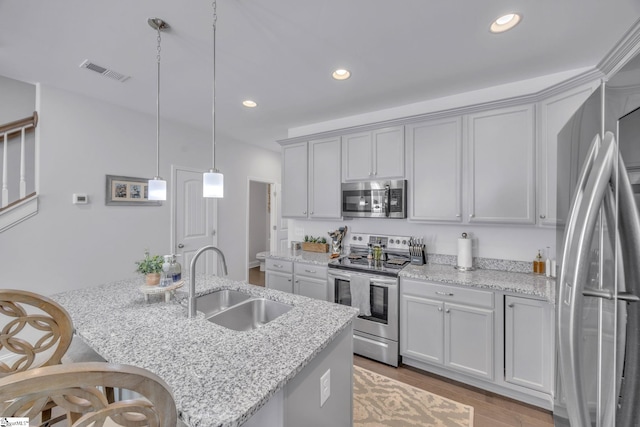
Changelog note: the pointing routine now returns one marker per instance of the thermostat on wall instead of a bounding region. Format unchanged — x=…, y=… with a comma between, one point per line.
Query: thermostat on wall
x=80, y=199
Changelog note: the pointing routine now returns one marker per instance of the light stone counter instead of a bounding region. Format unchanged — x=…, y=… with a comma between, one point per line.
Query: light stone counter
x=518, y=283
x=219, y=377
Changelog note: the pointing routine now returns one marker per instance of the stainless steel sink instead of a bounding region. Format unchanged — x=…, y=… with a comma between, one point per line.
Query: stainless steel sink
x=218, y=301
x=250, y=314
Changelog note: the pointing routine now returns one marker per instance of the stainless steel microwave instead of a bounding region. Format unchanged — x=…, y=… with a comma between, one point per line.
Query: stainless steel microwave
x=375, y=199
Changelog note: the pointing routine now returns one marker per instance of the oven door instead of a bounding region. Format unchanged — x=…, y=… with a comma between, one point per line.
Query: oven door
x=383, y=321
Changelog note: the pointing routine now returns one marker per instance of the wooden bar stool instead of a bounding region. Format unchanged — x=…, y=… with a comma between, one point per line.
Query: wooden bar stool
x=78, y=391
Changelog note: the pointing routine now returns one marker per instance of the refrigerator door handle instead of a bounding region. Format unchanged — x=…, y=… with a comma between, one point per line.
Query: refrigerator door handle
x=573, y=275
x=608, y=294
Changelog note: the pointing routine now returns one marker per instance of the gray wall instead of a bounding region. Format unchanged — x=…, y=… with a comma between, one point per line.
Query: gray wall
x=68, y=246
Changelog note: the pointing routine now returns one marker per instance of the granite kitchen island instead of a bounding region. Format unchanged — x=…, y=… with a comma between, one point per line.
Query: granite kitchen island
x=269, y=376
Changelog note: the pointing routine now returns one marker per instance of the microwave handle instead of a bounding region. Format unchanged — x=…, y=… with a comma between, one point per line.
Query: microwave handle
x=387, y=194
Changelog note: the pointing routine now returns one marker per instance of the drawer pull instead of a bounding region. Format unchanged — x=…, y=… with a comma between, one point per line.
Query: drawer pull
x=310, y=271
x=510, y=305
x=439, y=308
x=447, y=311
x=446, y=294
x=278, y=265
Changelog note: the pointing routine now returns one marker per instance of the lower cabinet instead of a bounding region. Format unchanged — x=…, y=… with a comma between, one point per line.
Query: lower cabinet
x=279, y=275
x=448, y=326
x=502, y=343
x=310, y=280
x=296, y=277
x=528, y=349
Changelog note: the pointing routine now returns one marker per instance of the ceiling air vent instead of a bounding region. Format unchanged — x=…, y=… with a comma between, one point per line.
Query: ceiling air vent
x=104, y=71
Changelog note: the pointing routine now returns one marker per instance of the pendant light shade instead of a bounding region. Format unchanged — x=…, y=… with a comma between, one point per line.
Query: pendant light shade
x=213, y=181
x=157, y=189
x=158, y=186
x=213, y=184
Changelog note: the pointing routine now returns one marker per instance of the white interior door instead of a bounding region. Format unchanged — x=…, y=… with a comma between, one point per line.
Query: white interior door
x=195, y=221
x=279, y=227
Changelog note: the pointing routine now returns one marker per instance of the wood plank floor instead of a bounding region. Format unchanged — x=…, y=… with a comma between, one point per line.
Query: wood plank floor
x=490, y=410
x=256, y=277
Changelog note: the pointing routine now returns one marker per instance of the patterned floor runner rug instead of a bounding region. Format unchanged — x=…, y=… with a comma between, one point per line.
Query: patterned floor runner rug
x=379, y=401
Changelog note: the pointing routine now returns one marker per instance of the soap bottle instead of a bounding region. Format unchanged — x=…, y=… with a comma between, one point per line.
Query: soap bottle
x=370, y=252
x=176, y=269
x=547, y=264
x=165, y=279
x=536, y=263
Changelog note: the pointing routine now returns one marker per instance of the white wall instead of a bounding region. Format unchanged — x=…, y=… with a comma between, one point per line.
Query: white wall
x=68, y=246
x=239, y=163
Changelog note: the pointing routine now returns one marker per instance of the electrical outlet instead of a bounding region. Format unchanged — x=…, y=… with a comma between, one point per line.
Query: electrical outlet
x=325, y=386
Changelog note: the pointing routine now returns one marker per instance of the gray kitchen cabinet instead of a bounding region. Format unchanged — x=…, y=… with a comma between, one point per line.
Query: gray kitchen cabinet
x=310, y=280
x=500, y=165
x=311, y=179
x=460, y=332
x=528, y=341
x=294, y=180
x=377, y=154
x=553, y=113
x=279, y=274
x=434, y=169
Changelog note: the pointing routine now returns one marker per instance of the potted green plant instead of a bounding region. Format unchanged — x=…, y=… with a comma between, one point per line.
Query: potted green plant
x=151, y=267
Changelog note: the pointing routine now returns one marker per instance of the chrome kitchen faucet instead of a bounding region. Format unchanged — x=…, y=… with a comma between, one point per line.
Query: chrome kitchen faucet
x=192, y=276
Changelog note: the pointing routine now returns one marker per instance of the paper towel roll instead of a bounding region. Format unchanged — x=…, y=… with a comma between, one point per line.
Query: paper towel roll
x=465, y=260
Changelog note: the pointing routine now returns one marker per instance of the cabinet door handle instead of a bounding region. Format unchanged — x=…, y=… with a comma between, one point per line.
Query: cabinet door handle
x=458, y=215
x=471, y=215
x=542, y=216
x=288, y=280
x=439, y=308
x=297, y=281
x=311, y=213
x=510, y=305
x=447, y=311
x=304, y=212
x=446, y=294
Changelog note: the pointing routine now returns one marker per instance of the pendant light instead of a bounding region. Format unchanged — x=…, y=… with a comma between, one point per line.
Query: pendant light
x=213, y=181
x=158, y=186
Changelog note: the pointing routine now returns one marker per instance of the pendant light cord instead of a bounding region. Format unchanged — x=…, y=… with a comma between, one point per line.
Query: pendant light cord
x=213, y=95
x=158, y=109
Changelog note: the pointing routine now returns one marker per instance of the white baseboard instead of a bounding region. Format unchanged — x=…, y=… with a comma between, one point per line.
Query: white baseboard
x=254, y=263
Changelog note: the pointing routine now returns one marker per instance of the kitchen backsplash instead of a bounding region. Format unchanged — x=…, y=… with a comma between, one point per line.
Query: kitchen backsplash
x=483, y=263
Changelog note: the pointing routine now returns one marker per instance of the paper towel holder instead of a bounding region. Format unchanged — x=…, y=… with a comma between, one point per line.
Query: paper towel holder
x=460, y=268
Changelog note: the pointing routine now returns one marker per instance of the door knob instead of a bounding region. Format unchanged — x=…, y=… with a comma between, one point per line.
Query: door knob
x=180, y=246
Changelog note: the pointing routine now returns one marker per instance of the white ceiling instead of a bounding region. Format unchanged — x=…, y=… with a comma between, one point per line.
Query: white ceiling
x=281, y=53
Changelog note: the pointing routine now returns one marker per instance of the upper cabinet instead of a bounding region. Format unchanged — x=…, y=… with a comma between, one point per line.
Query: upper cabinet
x=434, y=170
x=500, y=165
x=294, y=180
x=373, y=154
x=311, y=179
x=554, y=112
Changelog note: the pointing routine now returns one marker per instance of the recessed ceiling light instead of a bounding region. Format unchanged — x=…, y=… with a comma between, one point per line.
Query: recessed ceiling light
x=505, y=22
x=249, y=103
x=341, y=74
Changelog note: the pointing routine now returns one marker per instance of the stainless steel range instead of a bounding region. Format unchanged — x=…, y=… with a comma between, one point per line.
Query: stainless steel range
x=368, y=278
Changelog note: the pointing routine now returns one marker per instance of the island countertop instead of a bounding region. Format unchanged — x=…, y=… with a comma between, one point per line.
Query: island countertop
x=219, y=377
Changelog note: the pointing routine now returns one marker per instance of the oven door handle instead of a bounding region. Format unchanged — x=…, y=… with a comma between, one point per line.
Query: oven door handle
x=384, y=282
x=342, y=276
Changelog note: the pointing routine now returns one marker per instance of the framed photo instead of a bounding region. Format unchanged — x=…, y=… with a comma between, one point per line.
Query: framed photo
x=128, y=191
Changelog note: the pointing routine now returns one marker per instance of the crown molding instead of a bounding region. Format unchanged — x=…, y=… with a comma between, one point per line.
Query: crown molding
x=626, y=49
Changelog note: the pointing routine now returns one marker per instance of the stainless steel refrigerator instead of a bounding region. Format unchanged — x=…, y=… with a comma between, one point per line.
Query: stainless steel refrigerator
x=598, y=239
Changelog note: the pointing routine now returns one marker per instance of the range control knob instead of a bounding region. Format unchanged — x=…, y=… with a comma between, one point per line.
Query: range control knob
x=354, y=238
x=404, y=242
x=359, y=238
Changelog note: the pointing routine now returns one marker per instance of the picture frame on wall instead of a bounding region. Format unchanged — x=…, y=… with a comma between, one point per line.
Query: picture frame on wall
x=128, y=191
